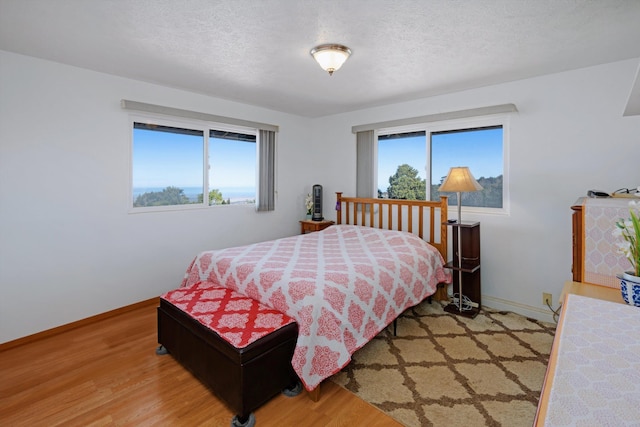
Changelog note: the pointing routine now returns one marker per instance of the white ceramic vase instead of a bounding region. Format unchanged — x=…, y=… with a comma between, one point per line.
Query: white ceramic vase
x=630, y=288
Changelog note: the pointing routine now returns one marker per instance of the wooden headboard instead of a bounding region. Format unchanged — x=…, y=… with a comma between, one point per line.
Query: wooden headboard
x=395, y=214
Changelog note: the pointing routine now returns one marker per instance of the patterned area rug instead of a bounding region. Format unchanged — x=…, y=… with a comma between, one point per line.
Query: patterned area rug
x=448, y=370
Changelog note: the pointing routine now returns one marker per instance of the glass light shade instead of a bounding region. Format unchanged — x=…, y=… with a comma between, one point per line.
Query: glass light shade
x=460, y=179
x=330, y=56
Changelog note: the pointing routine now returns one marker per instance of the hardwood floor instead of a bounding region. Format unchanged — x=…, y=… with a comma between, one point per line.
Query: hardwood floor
x=107, y=373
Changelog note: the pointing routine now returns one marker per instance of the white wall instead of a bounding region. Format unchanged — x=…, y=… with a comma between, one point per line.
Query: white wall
x=568, y=137
x=69, y=249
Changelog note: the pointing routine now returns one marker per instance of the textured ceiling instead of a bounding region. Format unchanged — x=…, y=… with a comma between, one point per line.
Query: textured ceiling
x=257, y=51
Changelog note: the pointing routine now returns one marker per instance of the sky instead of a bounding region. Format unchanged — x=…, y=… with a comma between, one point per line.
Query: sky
x=161, y=159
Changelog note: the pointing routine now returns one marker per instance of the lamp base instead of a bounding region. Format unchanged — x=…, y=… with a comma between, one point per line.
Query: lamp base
x=454, y=309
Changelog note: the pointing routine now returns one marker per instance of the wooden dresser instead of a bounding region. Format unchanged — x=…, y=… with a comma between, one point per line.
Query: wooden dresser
x=577, y=239
x=595, y=256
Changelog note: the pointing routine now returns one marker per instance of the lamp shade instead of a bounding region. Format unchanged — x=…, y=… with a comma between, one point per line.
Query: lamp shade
x=460, y=179
x=330, y=56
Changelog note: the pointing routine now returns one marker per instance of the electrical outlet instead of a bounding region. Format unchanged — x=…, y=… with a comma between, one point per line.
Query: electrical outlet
x=547, y=299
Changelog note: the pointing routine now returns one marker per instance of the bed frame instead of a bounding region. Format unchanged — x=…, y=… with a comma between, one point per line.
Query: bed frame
x=401, y=215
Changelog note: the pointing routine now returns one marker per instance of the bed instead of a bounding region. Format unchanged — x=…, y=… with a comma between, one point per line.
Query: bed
x=344, y=284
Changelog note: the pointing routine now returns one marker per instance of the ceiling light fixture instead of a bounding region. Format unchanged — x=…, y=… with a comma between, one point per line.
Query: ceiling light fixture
x=330, y=56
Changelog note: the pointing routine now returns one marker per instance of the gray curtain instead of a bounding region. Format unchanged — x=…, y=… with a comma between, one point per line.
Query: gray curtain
x=365, y=146
x=266, y=170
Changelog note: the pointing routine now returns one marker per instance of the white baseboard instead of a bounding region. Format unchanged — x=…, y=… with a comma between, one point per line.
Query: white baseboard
x=518, y=308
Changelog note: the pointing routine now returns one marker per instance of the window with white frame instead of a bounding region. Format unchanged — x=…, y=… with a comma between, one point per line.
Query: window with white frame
x=174, y=164
x=402, y=158
x=412, y=162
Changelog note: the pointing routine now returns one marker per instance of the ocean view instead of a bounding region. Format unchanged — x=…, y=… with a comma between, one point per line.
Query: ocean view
x=235, y=194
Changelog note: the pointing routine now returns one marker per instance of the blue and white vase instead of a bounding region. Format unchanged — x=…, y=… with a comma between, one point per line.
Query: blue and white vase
x=630, y=288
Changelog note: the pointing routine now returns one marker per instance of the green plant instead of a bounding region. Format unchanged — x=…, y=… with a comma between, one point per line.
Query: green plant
x=308, y=203
x=629, y=229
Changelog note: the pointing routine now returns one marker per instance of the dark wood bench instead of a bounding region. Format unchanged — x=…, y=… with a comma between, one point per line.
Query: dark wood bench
x=240, y=349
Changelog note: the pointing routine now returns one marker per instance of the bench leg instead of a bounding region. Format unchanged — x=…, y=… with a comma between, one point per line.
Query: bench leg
x=294, y=390
x=249, y=422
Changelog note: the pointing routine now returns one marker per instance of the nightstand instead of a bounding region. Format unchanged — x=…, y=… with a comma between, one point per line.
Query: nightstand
x=470, y=252
x=309, y=226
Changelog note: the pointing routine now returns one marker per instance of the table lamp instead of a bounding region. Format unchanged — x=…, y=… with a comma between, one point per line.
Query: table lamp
x=459, y=180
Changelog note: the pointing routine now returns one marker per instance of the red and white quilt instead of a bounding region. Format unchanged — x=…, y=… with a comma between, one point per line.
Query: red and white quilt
x=342, y=285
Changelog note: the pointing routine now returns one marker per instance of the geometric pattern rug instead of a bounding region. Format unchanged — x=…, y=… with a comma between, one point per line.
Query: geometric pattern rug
x=447, y=370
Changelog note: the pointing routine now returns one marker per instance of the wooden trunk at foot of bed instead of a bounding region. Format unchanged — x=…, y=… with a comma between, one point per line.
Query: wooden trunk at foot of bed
x=243, y=378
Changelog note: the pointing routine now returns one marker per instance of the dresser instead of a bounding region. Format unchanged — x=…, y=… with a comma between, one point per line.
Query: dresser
x=595, y=254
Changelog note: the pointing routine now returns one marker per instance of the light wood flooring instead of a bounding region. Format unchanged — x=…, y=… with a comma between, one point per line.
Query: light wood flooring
x=107, y=373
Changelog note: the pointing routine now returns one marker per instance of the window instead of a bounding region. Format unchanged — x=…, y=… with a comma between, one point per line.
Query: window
x=478, y=148
x=401, y=166
x=412, y=160
x=232, y=163
x=176, y=164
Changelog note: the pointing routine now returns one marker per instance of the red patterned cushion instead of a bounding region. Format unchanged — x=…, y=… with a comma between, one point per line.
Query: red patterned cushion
x=238, y=319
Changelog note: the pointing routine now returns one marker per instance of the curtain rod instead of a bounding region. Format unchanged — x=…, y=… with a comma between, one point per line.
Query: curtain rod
x=460, y=114
x=177, y=112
